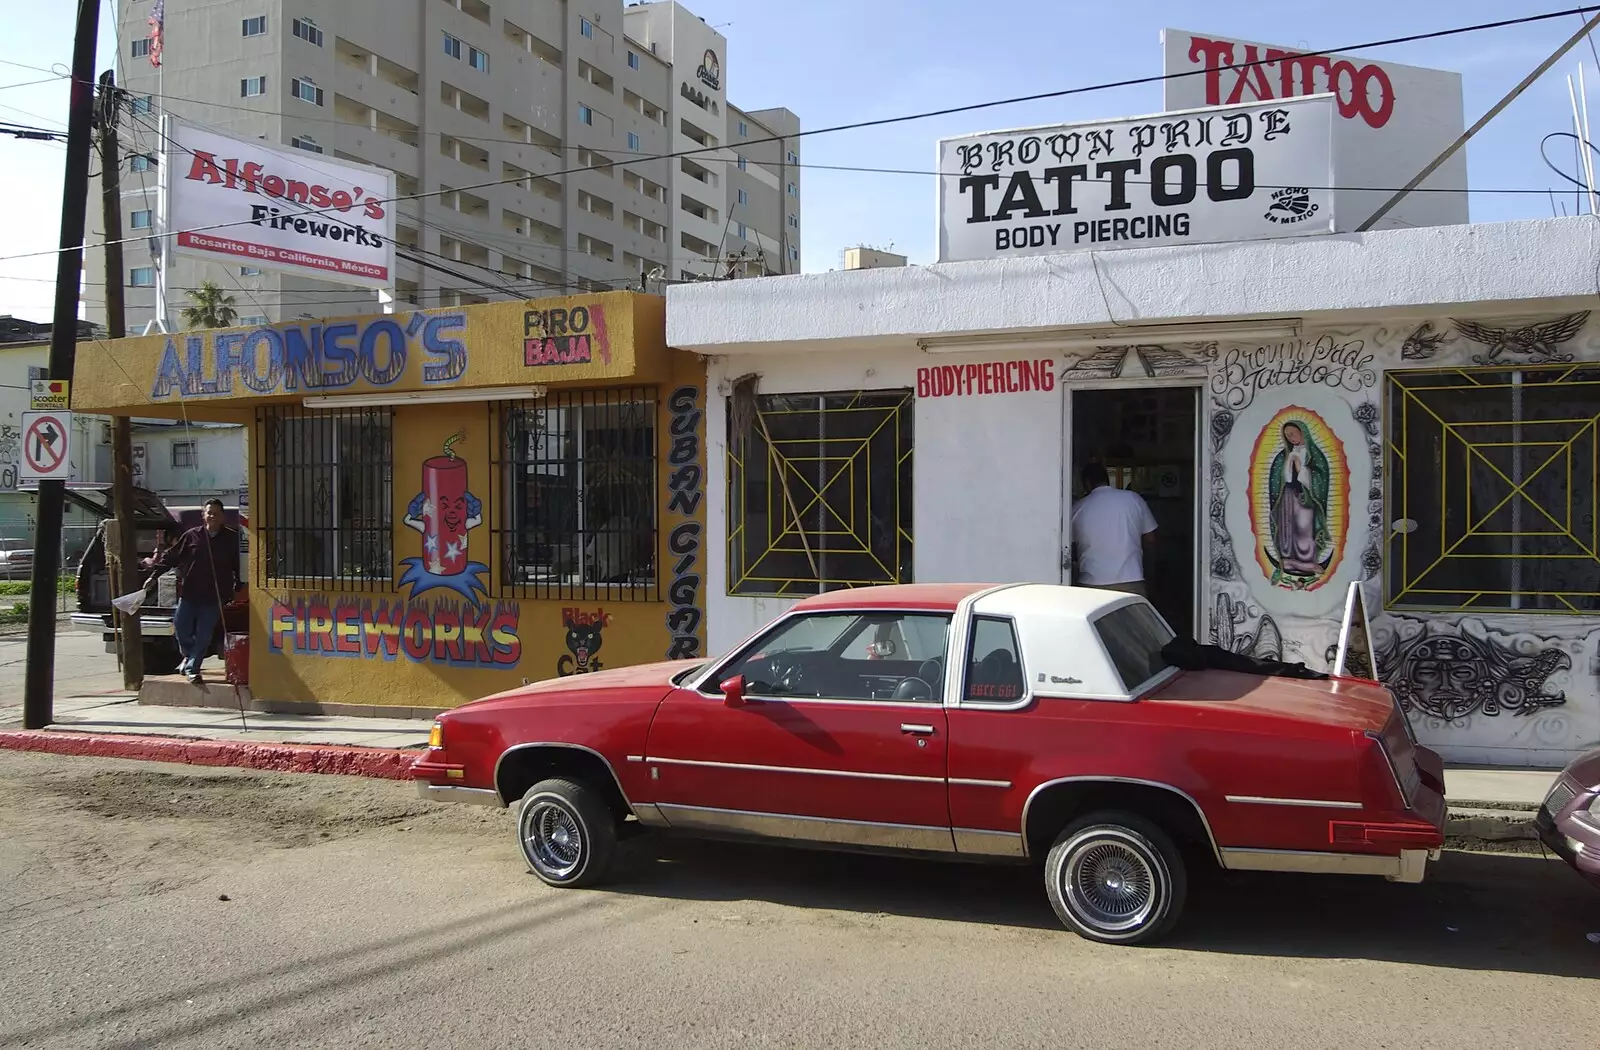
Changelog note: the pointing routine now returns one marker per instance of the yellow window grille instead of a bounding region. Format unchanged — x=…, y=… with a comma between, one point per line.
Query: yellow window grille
x=1491, y=494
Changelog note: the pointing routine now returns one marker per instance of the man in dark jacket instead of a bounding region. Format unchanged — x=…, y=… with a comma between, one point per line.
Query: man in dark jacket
x=206, y=561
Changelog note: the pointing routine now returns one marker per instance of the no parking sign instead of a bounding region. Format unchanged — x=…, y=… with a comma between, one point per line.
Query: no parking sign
x=46, y=441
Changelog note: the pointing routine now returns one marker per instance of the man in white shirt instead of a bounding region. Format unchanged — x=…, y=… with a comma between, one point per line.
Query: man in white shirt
x=1110, y=529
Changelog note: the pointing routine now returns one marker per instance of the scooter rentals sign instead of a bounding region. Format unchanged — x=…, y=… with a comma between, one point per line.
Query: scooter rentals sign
x=1225, y=173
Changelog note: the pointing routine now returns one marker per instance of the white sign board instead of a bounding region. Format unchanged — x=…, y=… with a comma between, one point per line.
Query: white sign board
x=47, y=394
x=243, y=202
x=1392, y=120
x=46, y=447
x=1197, y=177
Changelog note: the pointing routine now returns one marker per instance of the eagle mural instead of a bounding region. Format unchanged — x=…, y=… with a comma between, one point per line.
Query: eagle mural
x=1534, y=344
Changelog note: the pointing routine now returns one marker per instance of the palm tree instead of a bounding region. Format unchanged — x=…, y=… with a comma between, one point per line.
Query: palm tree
x=210, y=309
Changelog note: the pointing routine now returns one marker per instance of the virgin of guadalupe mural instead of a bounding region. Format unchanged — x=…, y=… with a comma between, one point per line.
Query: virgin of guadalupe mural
x=1299, y=499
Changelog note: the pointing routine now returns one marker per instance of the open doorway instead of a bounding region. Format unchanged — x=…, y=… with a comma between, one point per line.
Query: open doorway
x=1147, y=439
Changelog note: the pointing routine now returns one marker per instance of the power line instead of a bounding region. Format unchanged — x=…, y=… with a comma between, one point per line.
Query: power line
x=926, y=114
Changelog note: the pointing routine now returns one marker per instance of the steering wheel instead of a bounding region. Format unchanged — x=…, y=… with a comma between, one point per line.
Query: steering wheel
x=787, y=670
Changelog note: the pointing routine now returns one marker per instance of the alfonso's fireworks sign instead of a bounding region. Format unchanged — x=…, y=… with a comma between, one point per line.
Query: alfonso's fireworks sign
x=444, y=512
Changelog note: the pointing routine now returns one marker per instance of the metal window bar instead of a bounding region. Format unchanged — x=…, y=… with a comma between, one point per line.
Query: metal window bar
x=574, y=504
x=328, y=497
x=1493, y=493
x=819, y=492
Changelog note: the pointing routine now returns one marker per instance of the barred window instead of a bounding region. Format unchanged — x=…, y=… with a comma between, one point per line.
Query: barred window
x=1493, y=490
x=577, y=495
x=328, y=479
x=819, y=491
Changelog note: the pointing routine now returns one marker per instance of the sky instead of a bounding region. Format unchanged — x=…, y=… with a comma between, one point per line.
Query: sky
x=841, y=61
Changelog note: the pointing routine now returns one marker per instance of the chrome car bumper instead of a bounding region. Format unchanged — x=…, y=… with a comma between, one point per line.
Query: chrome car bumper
x=149, y=626
x=452, y=793
x=1410, y=866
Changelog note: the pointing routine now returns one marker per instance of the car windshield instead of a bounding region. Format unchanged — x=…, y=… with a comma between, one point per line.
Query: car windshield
x=8, y=544
x=1134, y=637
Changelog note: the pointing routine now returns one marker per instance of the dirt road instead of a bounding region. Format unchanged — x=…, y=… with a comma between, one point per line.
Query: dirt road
x=157, y=905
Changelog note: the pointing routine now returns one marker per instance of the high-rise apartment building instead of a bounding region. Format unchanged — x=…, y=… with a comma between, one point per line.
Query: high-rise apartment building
x=455, y=94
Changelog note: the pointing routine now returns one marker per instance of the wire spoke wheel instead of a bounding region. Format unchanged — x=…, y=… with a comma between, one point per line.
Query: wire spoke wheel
x=552, y=838
x=1110, y=885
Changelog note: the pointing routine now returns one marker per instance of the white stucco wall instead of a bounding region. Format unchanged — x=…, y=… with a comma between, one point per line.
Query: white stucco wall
x=1484, y=686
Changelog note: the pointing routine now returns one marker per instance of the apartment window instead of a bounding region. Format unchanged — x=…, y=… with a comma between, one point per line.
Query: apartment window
x=256, y=26
x=142, y=162
x=305, y=89
x=252, y=87
x=794, y=191
x=744, y=198
x=140, y=220
x=1491, y=487
x=633, y=60
x=787, y=540
x=585, y=114
x=576, y=475
x=794, y=254
x=307, y=30
x=633, y=142
x=185, y=454
x=742, y=236
x=794, y=221
x=249, y=271
x=743, y=164
x=478, y=60
x=585, y=28
x=744, y=130
x=792, y=157
x=327, y=479
x=307, y=143
x=452, y=46
x=142, y=104
x=142, y=277
x=140, y=48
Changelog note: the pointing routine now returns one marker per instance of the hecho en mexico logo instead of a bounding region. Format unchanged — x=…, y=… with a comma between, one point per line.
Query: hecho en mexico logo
x=1290, y=205
x=710, y=71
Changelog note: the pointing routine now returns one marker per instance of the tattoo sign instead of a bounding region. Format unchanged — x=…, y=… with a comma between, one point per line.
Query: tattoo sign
x=1228, y=173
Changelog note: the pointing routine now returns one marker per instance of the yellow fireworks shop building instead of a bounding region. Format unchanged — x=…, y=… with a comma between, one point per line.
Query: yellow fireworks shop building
x=448, y=502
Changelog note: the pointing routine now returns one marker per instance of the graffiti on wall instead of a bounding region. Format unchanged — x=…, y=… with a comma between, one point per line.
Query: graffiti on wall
x=685, y=485
x=584, y=636
x=441, y=631
x=1232, y=630
x=292, y=358
x=1422, y=343
x=1329, y=362
x=444, y=512
x=1529, y=344
x=1299, y=497
x=1224, y=565
x=10, y=454
x=1455, y=671
x=1366, y=415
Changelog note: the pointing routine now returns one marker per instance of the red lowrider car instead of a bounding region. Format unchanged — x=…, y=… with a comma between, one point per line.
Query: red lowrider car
x=1025, y=723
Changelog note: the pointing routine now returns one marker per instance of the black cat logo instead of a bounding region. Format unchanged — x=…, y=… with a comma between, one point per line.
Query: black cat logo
x=583, y=642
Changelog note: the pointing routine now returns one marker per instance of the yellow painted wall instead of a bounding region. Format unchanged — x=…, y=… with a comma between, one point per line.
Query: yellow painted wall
x=436, y=648
x=216, y=374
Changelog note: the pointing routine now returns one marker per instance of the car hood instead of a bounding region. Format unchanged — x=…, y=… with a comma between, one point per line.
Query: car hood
x=553, y=689
x=1585, y=769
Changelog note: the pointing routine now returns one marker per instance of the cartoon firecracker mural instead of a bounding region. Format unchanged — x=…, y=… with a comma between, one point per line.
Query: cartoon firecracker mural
x=443, y=512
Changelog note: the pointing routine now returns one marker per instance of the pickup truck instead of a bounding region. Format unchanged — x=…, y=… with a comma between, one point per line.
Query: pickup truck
x=1022, y=723
x=155, y=523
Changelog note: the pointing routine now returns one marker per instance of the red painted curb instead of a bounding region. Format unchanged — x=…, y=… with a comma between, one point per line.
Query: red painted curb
x=381, y=762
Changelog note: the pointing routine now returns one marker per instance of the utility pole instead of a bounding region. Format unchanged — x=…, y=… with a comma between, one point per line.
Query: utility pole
x=38, y=697
x=122, y=573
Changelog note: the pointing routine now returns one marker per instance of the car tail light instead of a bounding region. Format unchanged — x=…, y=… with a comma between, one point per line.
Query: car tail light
x=1347, y=832
x=436, y=736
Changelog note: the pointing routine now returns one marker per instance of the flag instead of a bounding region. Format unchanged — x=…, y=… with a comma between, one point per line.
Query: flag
x=157, y=23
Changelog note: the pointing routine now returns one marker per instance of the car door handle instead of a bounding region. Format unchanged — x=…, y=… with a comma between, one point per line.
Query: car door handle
x=919, y=730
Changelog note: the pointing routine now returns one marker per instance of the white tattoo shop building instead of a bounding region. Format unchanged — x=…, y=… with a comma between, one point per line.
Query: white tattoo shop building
x=1416, y=410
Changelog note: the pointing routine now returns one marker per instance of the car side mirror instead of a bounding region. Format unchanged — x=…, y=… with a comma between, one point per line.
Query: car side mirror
x=733, y=691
